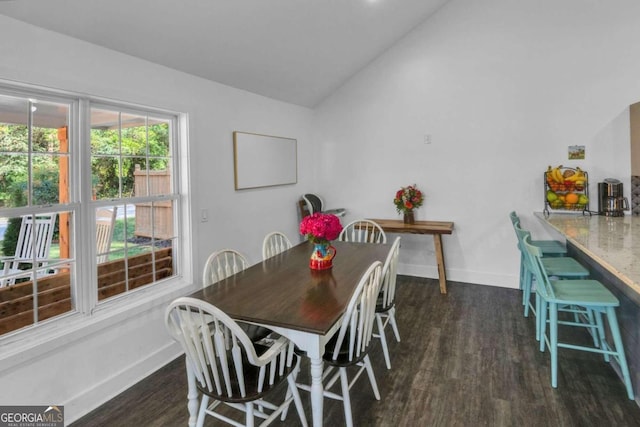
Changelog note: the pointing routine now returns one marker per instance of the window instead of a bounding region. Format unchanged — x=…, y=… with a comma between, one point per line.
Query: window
x=131, y=164
x=99, y=201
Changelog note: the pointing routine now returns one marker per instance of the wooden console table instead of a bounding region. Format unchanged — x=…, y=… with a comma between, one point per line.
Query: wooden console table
x=437, y=228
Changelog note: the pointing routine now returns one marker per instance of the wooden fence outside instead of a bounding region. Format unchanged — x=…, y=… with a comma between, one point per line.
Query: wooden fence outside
x=159, y=183
x=54, y=292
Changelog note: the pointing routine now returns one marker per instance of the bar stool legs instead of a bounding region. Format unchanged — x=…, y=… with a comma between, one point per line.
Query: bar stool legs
x=617, y=342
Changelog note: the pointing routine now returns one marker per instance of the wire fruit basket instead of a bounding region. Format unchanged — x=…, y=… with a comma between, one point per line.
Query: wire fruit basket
x=566, y=189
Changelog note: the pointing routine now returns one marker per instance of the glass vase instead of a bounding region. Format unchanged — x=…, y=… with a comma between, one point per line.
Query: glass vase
x=409, y=218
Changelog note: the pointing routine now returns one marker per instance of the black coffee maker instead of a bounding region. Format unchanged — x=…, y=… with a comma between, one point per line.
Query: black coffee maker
x=610, y=199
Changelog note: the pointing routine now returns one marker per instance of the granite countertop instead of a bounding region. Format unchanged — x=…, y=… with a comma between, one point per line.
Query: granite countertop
x=613, y=242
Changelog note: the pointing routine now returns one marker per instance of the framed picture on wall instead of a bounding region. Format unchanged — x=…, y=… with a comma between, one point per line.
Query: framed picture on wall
x=576, y=152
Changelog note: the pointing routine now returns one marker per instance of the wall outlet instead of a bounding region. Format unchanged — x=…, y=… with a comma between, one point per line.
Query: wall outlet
x=204, y=215
x=427, y=138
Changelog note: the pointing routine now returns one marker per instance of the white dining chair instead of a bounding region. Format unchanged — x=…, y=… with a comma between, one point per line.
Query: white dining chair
x=363, y=231
x=229, y=368
x=222, y=264
x=350, y=344
x=275, y=243
x=386, y=307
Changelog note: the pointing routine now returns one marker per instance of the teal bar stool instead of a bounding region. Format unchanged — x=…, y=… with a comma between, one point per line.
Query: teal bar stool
x=561, y=267
x=522, y=234
x=592, y=299
x=550, y=248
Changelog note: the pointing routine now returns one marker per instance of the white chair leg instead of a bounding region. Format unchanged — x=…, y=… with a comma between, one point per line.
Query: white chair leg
x=383, y=340
x=293, y=376
x=346, y=400
x=293, y=389
x=290, y=349
x=394, y=325
x=372, y=377
x=249, y=422
x=201, y=412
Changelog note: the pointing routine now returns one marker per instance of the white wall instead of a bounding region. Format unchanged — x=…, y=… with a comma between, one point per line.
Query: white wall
x=503, y=87
x=107, y=356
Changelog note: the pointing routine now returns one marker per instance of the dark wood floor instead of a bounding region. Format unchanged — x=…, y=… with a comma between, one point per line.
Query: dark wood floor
x=468, y=358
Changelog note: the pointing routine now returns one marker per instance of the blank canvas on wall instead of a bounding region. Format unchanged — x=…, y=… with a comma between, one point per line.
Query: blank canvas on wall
x=263, y=160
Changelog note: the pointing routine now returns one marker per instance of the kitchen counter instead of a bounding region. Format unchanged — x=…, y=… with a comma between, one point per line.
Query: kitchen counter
x=613, y=242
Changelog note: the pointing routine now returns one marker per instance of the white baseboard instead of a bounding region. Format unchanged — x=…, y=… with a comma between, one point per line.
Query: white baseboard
x=91, y=398
x=457, y=275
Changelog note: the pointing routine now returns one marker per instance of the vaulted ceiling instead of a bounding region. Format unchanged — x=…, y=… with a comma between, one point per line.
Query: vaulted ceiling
x=298, y=51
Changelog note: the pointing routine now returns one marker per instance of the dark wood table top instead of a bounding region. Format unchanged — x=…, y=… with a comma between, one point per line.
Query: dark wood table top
x=283, y=291
x=420, y=227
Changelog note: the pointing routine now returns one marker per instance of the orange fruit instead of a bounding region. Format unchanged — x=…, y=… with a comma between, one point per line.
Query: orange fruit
x=571, y=198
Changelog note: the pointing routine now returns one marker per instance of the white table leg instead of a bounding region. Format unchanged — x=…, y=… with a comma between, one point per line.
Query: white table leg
x=317, y=391
x=313, y=345
x=192, y=395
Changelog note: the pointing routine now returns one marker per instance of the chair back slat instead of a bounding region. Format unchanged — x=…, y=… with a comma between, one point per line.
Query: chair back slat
x=363, y=231
x=275, y=243
x=34, y=242
x=357, y=323
x=222, y=264
x=389, y=275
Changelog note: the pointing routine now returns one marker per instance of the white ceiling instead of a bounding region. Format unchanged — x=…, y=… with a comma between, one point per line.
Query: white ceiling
x=297, y=51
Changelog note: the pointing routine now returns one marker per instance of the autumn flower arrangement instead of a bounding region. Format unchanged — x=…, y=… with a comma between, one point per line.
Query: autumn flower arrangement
x=320, y=228
x=408, y=198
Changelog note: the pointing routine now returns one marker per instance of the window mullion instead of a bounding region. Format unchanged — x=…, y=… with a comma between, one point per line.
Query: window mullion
x=87, y=281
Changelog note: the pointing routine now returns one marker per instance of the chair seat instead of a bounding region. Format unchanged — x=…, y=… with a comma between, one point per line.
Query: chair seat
x=380, y=308
x=565, y=267
x=550, y=247
x=24, y=274
x=254, y=332
x=343, y=354
x=250, y=373
x=583, y=293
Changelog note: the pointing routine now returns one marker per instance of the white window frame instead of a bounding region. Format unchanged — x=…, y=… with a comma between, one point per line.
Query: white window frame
x=89, y=316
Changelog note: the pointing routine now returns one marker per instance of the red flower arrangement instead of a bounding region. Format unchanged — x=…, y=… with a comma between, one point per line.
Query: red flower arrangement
x=408, y=199
x=320, y=228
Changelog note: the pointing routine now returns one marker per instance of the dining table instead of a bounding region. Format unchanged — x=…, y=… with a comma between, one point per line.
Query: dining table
x=304, y=305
